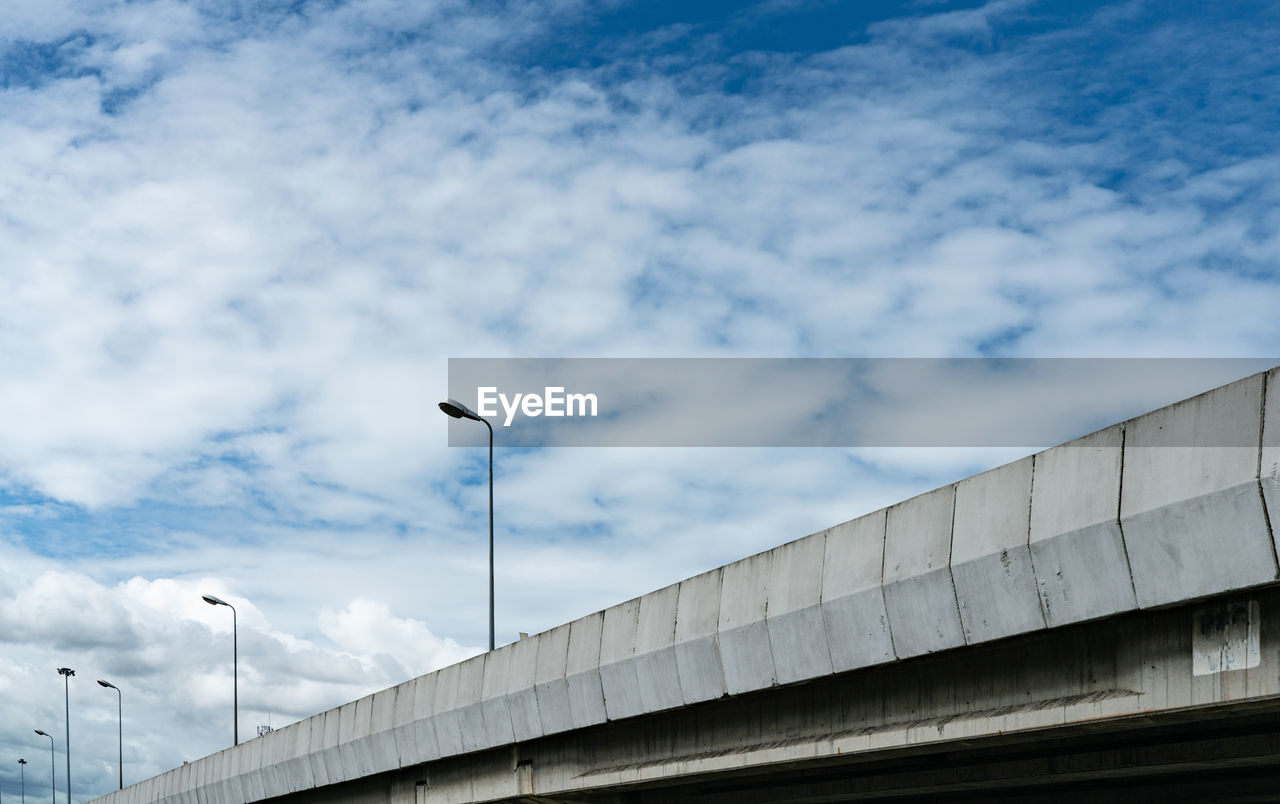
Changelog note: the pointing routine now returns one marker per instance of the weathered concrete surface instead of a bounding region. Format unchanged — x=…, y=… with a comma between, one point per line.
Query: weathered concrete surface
x=852, y=596
x=470, y=712
x=445, y=714
x=797, y=631
x=1169, y=507
x=422, y=742
x=990, y=556
x=1190, y=505
x=743, y=635
x=1123, y=670
x=618, y=675
x=586, y=695
x=919, y=594
x=494, y=711
x=697, y=648
x=552, y=687
x=1077, y=548
x=1269, y=465
x=522, y=700
x=657, y=670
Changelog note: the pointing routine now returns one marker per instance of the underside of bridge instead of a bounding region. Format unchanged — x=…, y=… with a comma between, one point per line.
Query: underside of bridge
x=1218, y=754
x=1128, y=708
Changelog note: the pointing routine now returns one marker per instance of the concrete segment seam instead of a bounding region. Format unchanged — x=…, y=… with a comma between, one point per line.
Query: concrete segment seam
x=822, y=573
x=1124, y=542
x=1031, y=555
x=884, y=601
x=951, y=546
x=1262, y=430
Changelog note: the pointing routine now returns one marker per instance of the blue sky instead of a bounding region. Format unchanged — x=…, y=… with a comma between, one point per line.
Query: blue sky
x=239, y=242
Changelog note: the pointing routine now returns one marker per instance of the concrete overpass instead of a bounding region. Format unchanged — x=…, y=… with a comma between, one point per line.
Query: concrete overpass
x=1098, y=619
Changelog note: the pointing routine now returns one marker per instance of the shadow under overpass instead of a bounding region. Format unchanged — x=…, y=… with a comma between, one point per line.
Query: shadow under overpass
x=1228, y=754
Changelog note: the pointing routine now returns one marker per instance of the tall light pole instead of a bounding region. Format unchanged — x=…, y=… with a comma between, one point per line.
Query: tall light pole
x=22, y=779
x=235, y=665
x=457, y=410
x=119, y=727
x=67, y=673
x=52, y=788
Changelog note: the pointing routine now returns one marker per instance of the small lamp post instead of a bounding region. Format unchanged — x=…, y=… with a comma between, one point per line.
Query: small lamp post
x=119, y=728
x=235, y=666
x=52, y=787
x=457, y=410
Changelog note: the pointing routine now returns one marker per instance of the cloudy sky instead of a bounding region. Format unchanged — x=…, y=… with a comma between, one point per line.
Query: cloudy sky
x=240, y=240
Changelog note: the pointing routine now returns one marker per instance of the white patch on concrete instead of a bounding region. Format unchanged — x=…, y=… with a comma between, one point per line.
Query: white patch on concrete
x=1225, y=638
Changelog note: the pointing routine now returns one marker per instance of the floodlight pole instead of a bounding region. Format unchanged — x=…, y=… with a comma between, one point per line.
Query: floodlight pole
x=67, y=673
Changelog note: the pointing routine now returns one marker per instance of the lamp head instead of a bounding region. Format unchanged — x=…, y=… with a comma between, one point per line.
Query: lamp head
x=22, y=762
x=108, y=684
x=457, y=410
x=66, y=671
x=214, y=601
x=42, y=734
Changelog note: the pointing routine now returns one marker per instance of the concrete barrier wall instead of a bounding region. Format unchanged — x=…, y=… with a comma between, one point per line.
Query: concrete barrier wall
x=1192, y=514
x=1171, y=506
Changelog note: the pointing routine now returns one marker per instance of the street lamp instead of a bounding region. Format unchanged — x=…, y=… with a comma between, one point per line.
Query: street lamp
x=52, y=790
x=119, y=727
x=67, y=673
x=457, y=410
x=235, y=665
x=22, y=779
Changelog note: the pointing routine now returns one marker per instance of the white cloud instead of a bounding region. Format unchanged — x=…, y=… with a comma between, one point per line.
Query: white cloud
x=367, y=628
x=170, y=653
x=228, y=298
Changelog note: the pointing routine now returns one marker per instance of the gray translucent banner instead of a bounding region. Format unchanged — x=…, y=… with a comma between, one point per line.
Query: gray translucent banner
x=820, y=402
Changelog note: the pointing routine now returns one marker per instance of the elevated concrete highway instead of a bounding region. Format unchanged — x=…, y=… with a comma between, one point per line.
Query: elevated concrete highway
x=1097, y=619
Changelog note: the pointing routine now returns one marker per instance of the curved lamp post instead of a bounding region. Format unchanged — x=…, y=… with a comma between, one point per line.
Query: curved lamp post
x=22, y=779
x=235, y=665
x=119, y=727
x=52, y=789
x=67, y=673
x=457, y=410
